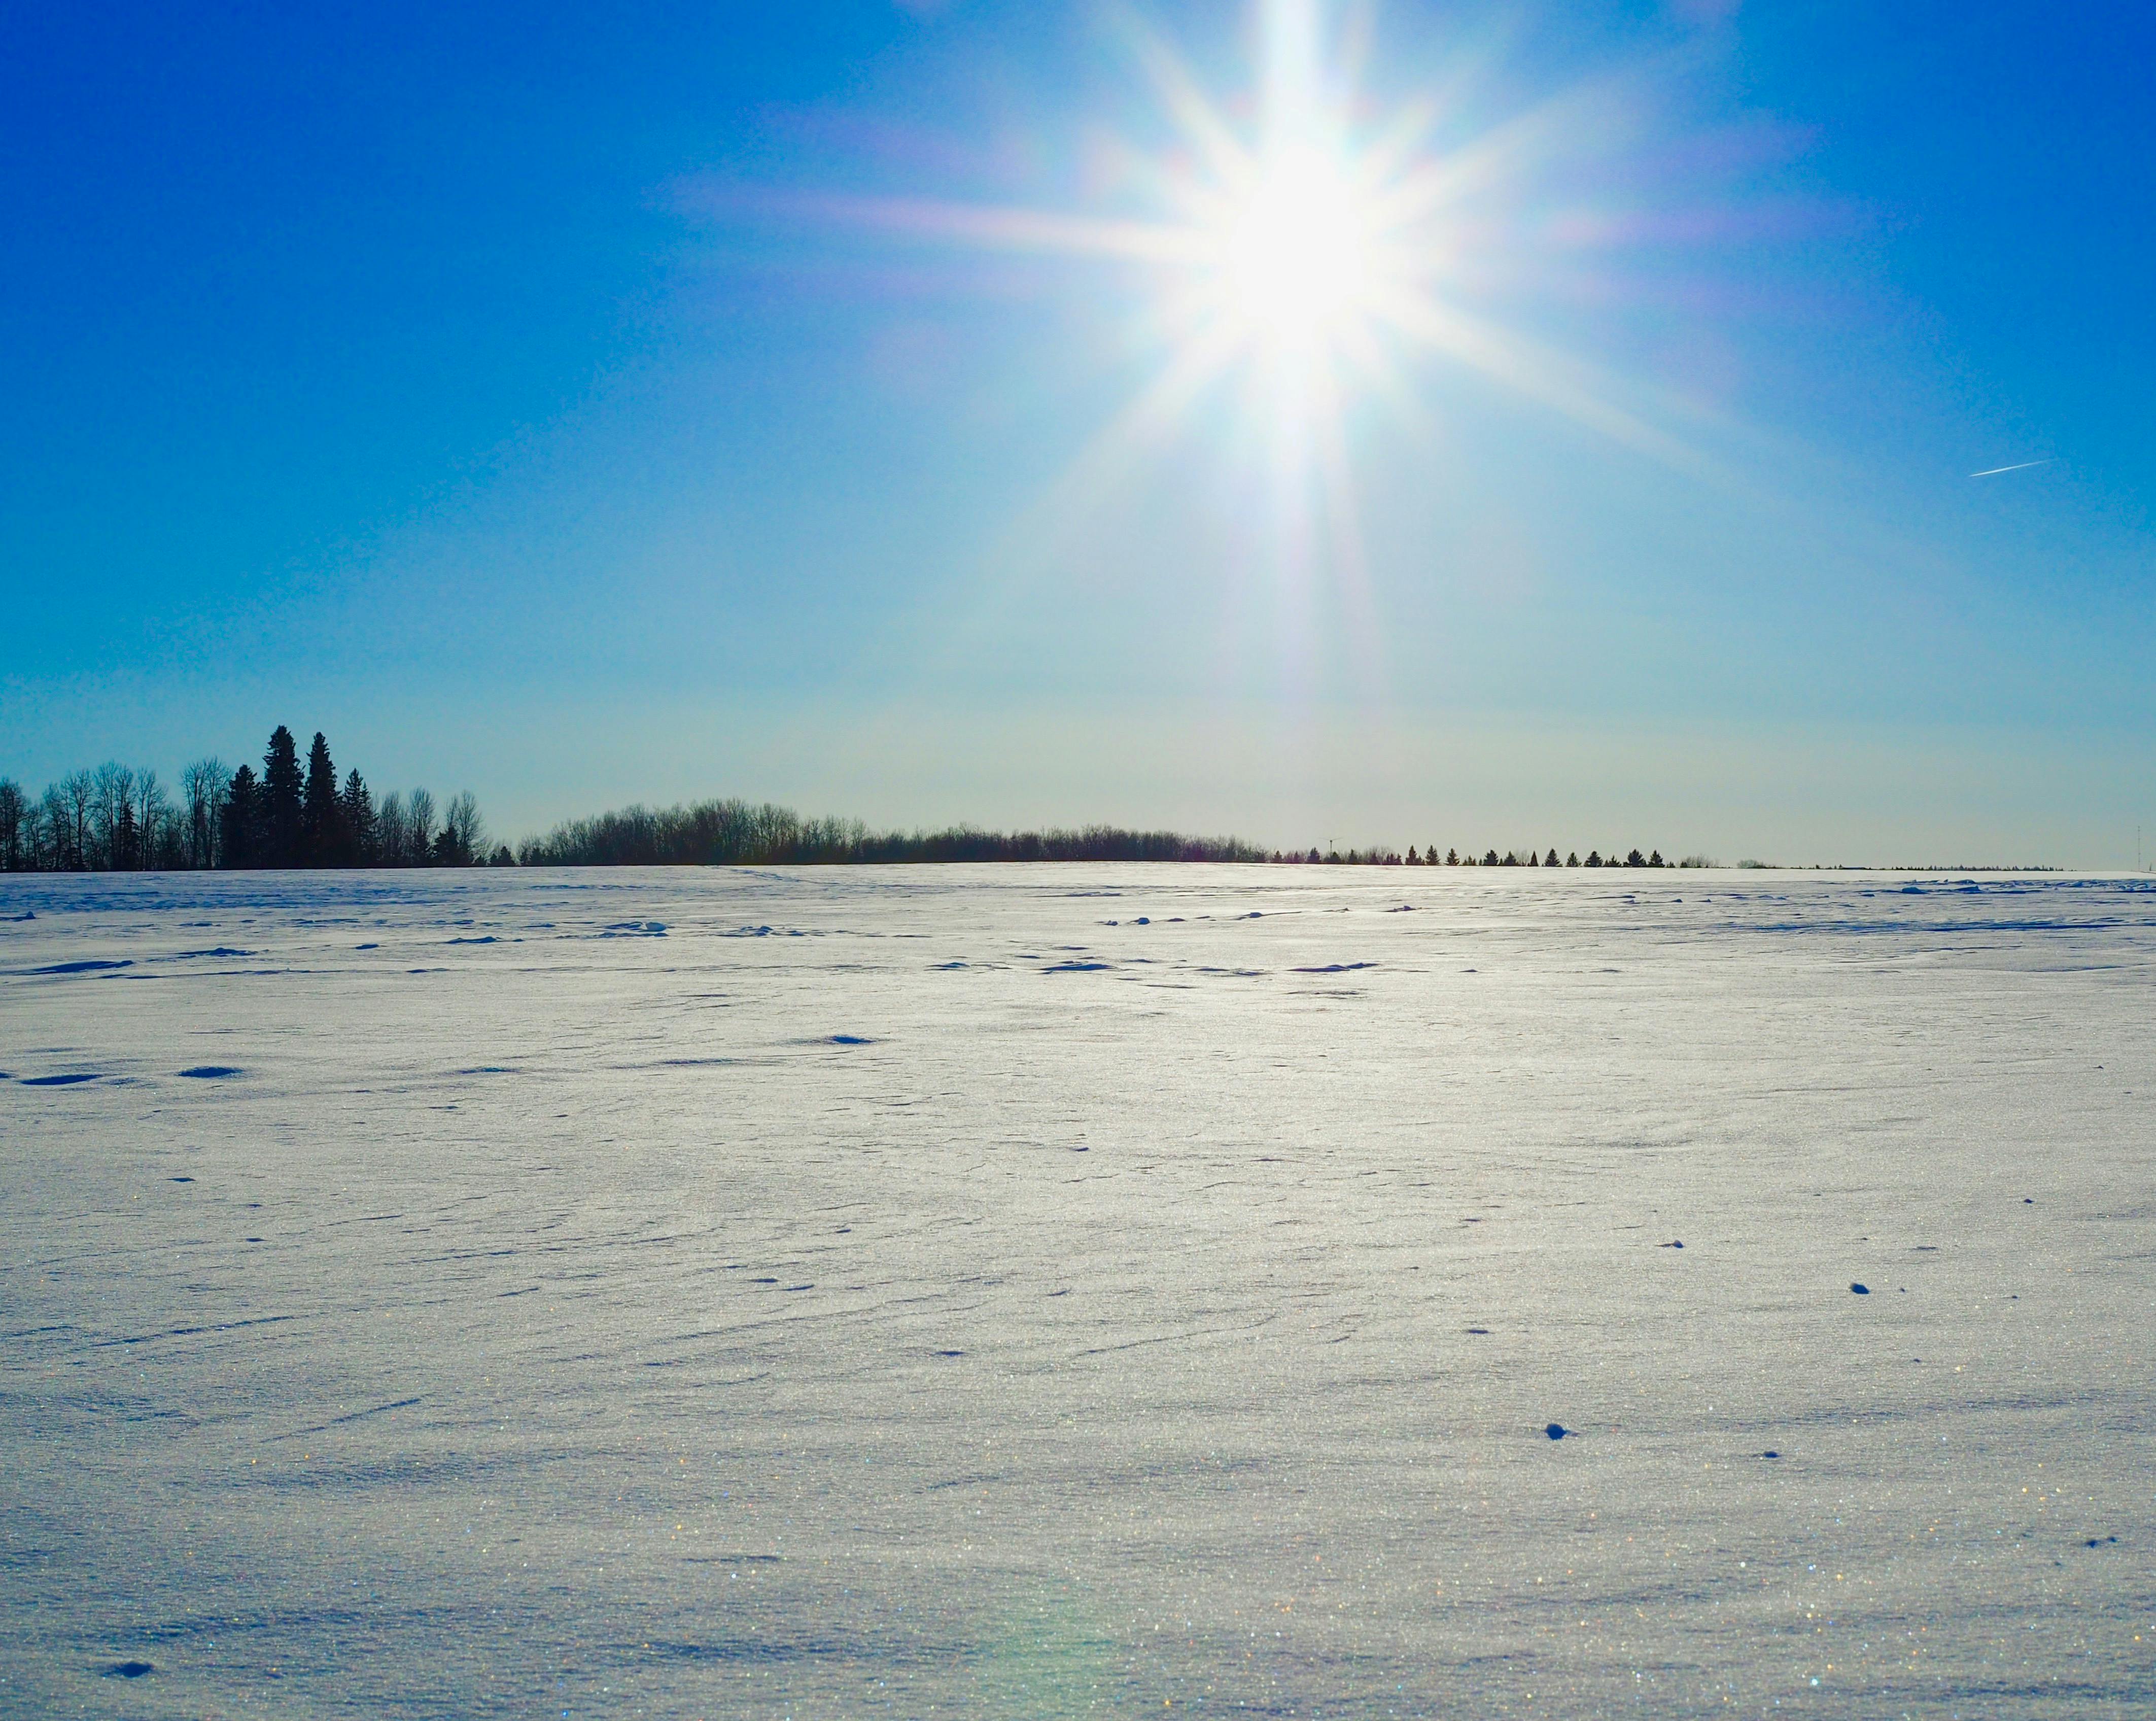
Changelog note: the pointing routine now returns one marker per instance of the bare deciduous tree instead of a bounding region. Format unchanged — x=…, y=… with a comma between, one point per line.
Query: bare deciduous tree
x=418, y=827
x=464, y=829
x=111, y=817
x=74, y=797
x=389, y=832
x=154, y=847
x=14, y=809
x=205, y=784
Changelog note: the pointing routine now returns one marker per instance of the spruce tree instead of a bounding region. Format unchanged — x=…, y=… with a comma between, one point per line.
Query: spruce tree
x=1550, y=859
x=280, y=802
x=126, y=840
x=356, y=813
x=239, y=842
x=321, y=842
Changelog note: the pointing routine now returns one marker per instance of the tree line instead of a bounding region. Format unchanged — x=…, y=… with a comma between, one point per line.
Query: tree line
x=292, y=813
x=123, y=819
x=733, y=833
x=1515, y=857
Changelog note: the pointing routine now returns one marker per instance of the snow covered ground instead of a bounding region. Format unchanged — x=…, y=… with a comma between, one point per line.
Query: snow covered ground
x=1077, y=1290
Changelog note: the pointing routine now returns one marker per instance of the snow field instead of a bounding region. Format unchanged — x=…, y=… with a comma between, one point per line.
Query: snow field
x=1055, y=1291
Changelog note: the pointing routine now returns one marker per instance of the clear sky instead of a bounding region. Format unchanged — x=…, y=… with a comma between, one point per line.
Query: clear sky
x=1489, y=424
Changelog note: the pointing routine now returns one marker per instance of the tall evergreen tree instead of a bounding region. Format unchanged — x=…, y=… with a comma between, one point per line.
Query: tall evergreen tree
x=281, y=791
x=125, y=854
x=239, y=841
x=322, y=836
x=355, y=810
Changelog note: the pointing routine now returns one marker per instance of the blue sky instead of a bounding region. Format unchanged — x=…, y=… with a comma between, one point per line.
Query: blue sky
x=567, y=404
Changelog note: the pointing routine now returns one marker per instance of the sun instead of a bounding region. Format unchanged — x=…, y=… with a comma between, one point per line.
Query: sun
x=1317, y=246
x=1296, y=253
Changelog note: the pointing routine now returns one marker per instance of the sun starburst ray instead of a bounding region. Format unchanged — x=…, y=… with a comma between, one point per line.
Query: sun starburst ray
x=1326, y=254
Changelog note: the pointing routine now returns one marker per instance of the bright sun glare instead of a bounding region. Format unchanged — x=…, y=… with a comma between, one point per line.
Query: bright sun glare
x=1294, y=265
x=1308, y=249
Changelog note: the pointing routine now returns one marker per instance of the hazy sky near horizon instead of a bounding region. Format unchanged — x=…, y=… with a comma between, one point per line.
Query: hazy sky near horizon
x=582, y=405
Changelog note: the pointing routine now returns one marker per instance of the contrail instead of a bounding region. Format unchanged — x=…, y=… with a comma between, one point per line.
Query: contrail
x=2022, y=467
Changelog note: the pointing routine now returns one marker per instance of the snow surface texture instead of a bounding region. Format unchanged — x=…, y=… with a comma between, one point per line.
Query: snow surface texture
x=1076, y=1290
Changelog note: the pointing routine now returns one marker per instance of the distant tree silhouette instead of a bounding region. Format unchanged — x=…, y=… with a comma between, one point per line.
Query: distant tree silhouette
x=389, y=836
x=1635, y=859
x=1654, y=859
x=462, y=840
x=158, y=841
x=14, y=813
x=1571, y=860
x=1550, y=859
x=355, y=819
x=321, y=835
x=205, y=784
x=1452, y=857
x=281, y=791
x=112, y=793
x=123, y=849
x=1594, y=859
x=240, y=840
x=419, y=828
